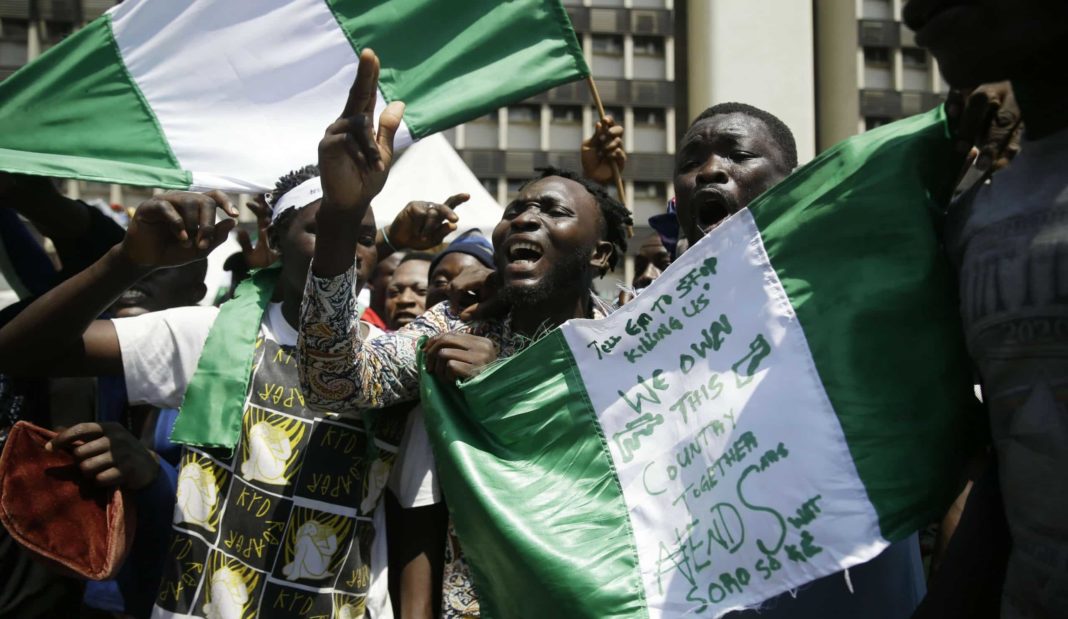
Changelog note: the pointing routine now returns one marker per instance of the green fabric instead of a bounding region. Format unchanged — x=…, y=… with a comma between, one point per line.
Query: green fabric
x=853, y=238
x=46, y=104
x=530, y=484
x=451, y=62
x=214, y=402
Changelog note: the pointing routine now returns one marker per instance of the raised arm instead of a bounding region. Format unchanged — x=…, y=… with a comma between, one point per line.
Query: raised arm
x=58, y=334
x=339, y=370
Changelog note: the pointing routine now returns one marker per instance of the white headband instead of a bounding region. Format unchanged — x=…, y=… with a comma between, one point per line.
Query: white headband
x=298, y=197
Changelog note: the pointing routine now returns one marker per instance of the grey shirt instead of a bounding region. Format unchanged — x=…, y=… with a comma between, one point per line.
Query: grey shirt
x=1010, y=242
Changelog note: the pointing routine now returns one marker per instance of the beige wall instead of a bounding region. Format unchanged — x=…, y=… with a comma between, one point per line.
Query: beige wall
x=758, y=52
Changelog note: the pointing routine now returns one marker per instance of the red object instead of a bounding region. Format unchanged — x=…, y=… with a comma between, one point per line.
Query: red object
x=48, y=506
x=371, y=317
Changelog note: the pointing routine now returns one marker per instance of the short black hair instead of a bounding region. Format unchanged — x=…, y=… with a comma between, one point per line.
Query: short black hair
x=617, y=219
x=284, y=184
x=779, y=131
x=418, y=255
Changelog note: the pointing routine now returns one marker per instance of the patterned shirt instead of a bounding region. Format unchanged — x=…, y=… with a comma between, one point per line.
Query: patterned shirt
x=285, y=525
x=340, y=371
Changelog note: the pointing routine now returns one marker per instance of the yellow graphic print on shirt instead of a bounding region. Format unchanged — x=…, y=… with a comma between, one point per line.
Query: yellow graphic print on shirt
x=269, y=446
x=312, y=543
x=376, y=481
x=348, y=606
x=200, y=484
x=229, y=587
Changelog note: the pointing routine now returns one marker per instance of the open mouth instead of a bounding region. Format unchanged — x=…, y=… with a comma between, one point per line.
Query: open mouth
x=524, y=253
x=403, y=318
x=712, y=208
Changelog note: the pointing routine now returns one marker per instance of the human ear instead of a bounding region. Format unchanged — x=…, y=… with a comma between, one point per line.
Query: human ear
x=601, y=256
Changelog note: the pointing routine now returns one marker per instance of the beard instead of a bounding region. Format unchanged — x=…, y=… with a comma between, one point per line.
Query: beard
x=569, y=272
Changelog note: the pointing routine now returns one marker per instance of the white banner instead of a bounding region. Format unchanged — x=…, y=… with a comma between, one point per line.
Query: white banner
x=734, y=468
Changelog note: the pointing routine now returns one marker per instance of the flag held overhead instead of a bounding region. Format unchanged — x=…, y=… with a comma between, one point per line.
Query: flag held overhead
x=211, y=94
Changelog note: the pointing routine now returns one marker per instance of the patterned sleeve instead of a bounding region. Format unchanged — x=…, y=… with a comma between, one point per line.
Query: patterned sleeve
x=339, y=370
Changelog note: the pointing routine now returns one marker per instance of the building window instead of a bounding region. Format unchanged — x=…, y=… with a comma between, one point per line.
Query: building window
x=13, y=29
x=872, y=122
x=609, y=110
x=649, y=199
x=877, y=9
x=524, y=127
x=878, y=72
x=13, y=54
x=607, y=56
x=914, y=58
x=567, y=114
x=649, y=63
x=490, y=185
x=916, y=74
x=877, y=56
x=565, y=131
x=513, y=187
x=482, y=132
x=523, y=114
x=649, y=117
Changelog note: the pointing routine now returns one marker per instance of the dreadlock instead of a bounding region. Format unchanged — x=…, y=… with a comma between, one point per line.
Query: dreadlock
x=778, y=129
x=284, y=184
x=616, y=217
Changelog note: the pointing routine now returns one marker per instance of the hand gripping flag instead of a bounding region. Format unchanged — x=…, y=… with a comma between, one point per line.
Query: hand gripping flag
x=198, y=94
x=789, y=397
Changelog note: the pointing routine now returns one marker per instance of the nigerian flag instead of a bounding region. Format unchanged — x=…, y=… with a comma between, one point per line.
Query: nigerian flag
x=789, y=397
x=231, y=94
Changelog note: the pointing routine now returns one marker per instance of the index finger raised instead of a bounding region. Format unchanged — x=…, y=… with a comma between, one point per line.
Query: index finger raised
x=365, y=89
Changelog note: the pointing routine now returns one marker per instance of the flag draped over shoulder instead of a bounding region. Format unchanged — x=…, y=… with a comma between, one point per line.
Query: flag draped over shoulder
x=789, y=397
x=230, y=95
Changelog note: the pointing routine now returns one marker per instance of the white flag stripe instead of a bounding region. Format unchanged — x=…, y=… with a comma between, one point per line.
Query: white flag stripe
x=261, y=79
x=696, y=517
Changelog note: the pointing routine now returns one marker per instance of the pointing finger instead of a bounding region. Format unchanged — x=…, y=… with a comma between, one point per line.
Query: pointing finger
x=365, y=87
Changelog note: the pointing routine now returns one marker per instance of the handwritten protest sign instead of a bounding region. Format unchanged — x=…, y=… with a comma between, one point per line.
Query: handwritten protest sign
x=732, y=462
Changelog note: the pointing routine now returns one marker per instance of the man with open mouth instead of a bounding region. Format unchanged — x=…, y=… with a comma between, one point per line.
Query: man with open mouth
x=731, y=154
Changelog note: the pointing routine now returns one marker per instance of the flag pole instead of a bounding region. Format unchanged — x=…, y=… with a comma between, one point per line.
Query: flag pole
x=600, y=110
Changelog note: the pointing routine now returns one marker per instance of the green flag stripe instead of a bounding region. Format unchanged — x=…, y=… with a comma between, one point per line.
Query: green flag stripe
x=47, y=101
x=479, y=49
x=900, y=277
x=531, y=457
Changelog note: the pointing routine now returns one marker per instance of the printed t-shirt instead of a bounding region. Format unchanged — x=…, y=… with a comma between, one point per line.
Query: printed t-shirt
x=1011, y=243
x=285, y=526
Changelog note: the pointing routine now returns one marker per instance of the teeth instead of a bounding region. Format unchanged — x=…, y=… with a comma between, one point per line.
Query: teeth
x=523, y=246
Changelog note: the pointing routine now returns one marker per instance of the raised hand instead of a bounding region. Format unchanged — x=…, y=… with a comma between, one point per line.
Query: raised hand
x=353, y=160
x=259, y=255
x=458, y=356
x=108, y=454
x=986, y=123
x=473, y=295
x=176, y=228
x=422, y=225
x=601, y=149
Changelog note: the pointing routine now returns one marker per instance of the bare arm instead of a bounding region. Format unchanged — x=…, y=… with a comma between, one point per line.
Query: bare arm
x=59, y=335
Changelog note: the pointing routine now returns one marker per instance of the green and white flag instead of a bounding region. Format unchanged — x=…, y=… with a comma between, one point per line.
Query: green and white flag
x=789, y=397
x=232, y=94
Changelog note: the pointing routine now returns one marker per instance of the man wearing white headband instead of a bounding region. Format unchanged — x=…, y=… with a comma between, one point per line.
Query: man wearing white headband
x=276, y=505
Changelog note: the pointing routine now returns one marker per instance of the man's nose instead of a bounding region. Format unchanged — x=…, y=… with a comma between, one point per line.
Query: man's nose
x=647, y=276
x=714, y=170
x=409, y=297
x=527, y=219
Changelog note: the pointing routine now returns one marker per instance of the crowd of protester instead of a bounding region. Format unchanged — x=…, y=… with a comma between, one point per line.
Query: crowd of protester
x=105, y=348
